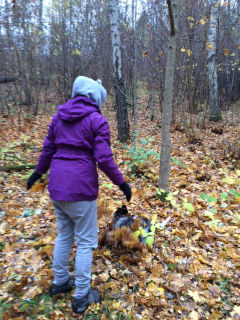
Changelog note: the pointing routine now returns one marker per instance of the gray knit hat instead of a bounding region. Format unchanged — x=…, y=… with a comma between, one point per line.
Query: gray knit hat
x=87, y=87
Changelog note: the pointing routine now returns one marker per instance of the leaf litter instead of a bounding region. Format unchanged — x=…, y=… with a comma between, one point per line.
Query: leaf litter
x=192, y=270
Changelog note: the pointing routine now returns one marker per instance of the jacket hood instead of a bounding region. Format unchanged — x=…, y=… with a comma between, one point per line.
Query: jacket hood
x=93, y=90
x=77, y=108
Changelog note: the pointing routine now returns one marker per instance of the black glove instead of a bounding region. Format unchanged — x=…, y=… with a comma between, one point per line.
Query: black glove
x=32, y=179
x=126, y=189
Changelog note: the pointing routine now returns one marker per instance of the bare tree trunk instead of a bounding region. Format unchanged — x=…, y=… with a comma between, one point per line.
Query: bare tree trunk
x=119, y=89
x=164, y=170
x=215, y=112
x=41, y=43
x=69, y=76
x=153, y=97
x=134, y=13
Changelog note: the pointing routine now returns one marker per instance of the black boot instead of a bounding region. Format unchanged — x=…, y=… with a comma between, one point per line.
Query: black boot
x=80, y=304
x=63, y=288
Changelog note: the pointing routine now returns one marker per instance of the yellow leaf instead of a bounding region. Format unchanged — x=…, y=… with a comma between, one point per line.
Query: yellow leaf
x=46, y=240
x=77, y=52
x=229, y=180
x=97, y=307
x=26, y=138
x=238, y=199
x=190, y=18
x=236, y=219
x=189, y=52
x=202, y=21
x=238, y=173
x=202, y=259
x=107, y=252
x=161, y=290
x=217, y=5
x=151, y=287
x=39, y=290
x=116, y=305
x=196, y=297
x=183, y=50
x=154, y=217
x=209, y=46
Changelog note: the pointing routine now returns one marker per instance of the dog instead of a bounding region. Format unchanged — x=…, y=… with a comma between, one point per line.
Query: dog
x=122, y=230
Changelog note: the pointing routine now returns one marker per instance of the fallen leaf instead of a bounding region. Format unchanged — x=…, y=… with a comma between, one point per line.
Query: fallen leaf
x=196, y=296
x=194, y=315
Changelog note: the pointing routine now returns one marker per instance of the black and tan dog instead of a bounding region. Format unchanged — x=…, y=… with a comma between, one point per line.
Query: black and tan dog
x=122, y=229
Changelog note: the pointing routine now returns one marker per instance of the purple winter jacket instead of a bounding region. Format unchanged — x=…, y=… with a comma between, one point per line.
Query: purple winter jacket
x=78, y=138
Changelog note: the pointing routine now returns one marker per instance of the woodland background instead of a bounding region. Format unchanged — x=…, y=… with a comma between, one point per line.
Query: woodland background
x=192, y=268
x=45, y=45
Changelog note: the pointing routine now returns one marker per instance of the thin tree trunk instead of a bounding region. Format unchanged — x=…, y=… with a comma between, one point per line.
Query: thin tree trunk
x=69, y=76
x=153, y=98
x=41, y=43
x=164, y=170
x=215, y=112
x=134, y=13
x=119, y=89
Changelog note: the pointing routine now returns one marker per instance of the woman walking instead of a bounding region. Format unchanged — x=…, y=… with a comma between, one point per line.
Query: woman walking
x=78, y=141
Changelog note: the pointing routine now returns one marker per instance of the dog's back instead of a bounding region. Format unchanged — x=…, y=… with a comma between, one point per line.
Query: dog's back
x=121, y=230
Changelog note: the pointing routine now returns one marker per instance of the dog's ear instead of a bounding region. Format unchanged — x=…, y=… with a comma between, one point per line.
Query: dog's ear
x=124, y=210
x=118, y=212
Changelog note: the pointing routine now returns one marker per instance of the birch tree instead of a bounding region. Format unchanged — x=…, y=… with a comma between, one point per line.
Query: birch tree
x=118, y=82
x=134, y=13
x=164, y=170
x=215, y=112
x=40, y=41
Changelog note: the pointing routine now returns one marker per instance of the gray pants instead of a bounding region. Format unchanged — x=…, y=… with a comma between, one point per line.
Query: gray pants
x=79, y=219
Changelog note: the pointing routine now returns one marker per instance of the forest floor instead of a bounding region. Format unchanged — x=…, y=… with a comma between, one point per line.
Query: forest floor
x=192, y=271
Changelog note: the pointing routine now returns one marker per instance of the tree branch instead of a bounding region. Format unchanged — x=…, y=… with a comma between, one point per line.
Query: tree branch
x=18, y=168
x=172, y=27
x=5, y=80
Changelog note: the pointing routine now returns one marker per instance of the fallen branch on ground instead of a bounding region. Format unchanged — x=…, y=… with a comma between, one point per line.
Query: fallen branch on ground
x=18, y=167
x=6, y=80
